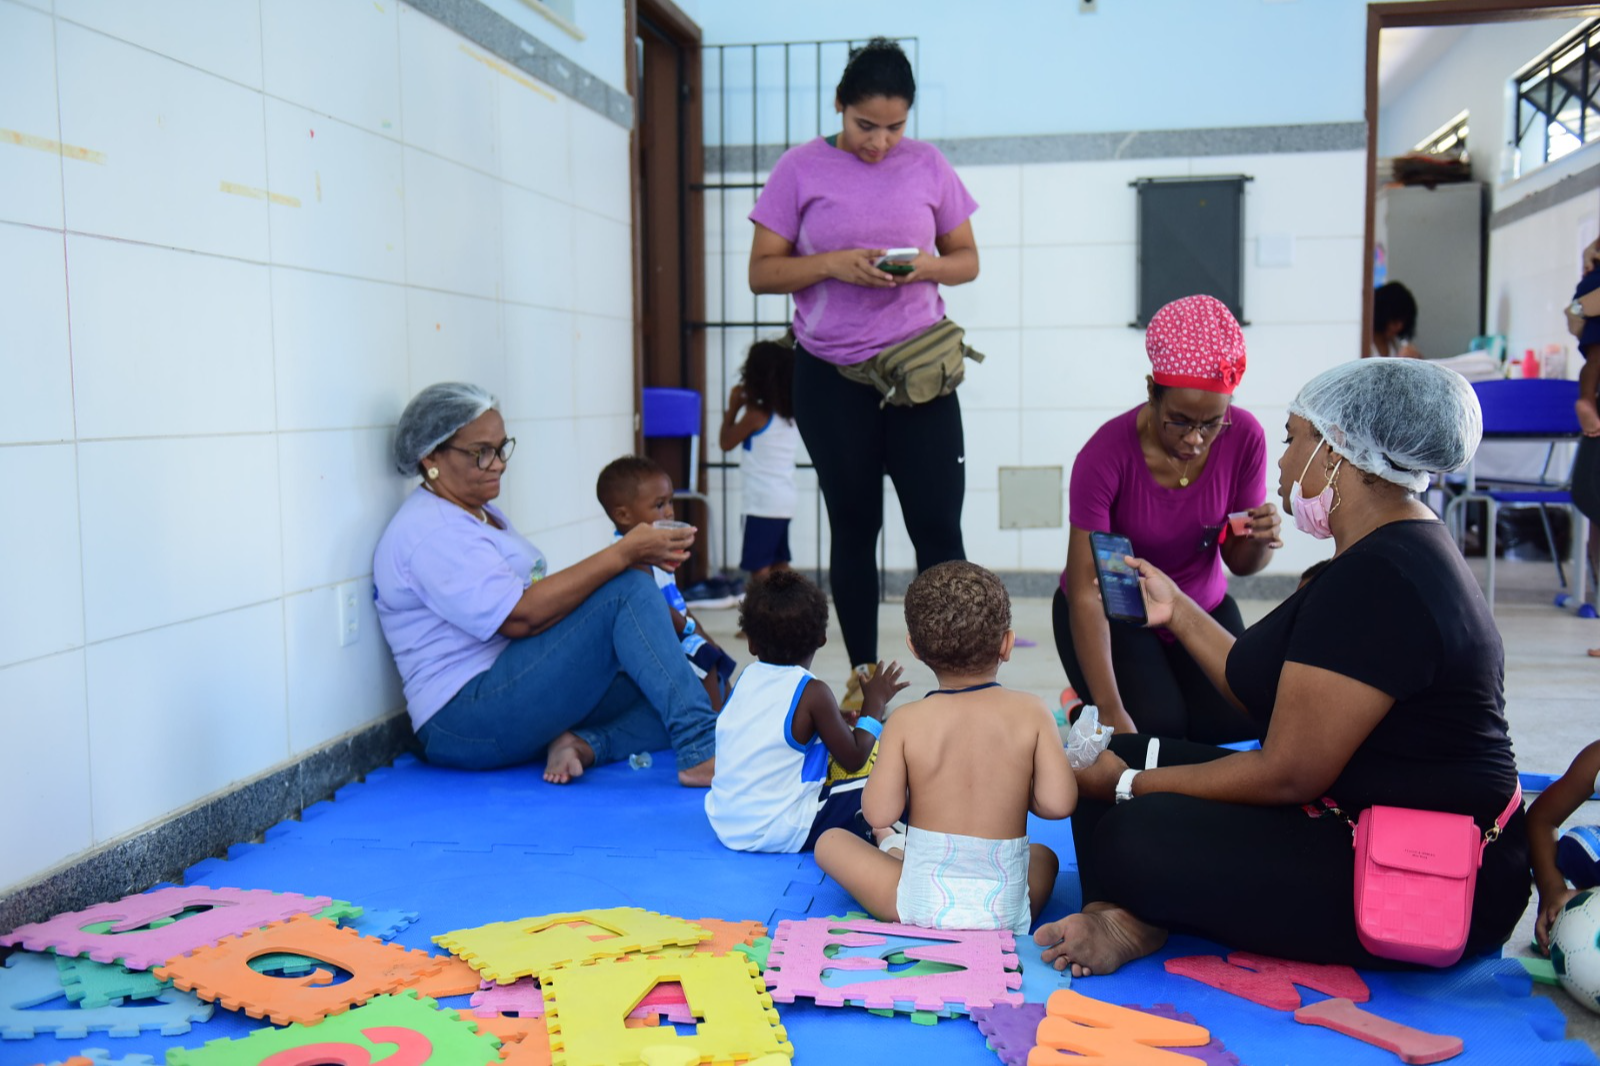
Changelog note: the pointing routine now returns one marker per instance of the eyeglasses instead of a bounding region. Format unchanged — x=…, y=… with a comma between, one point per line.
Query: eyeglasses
x=485, y=456
x=1208, y=429
x=1209, y=535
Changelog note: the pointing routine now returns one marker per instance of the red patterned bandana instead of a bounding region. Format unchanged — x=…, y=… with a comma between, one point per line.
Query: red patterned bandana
x=1194, y=343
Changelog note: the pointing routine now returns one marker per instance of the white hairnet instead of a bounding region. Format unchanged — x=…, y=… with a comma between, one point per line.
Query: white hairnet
x=433, y=416
x=1401, y=419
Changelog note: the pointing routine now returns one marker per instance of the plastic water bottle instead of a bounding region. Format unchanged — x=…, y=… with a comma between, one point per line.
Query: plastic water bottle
x=640, y=761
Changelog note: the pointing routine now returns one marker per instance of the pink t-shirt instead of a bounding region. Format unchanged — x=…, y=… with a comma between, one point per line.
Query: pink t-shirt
x=1178, y=530
x=823, y=199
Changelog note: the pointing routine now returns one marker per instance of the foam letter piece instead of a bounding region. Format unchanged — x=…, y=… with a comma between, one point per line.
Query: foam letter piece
x=455, y=979
x=1410, y=1044
x=507, y=951
x=223, y=972
x=102, y=1057
x=1011, y=1032
x=388, y=1029
x=29, y=979
x=585, y=1010
x=1269, y=981
x=1102, y=1033
x=522, y=997
x=94, y=985
x=798, y=958
x=230, y=912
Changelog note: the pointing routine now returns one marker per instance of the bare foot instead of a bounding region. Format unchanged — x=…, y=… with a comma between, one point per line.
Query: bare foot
x=698, y=776
x=1099, y=940
x=566, y=758
x=1595, y=652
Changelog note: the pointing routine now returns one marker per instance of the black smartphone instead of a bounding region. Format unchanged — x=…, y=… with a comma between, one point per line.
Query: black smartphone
x=1119, y=583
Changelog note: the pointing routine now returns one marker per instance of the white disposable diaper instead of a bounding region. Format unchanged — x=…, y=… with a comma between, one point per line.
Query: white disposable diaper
x=955, y=882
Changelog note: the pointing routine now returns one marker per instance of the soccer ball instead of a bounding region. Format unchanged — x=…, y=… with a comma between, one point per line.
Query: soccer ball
x=1575, y=948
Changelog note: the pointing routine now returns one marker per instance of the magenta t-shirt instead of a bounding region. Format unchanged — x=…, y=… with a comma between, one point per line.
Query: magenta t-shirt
x=823, y=199
x=1113, y=490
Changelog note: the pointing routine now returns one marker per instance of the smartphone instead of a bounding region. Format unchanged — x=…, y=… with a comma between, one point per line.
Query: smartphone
x=1119, y=583
x=898, y=260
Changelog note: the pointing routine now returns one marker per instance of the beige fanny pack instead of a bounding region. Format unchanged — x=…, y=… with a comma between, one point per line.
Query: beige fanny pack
x=918, y=369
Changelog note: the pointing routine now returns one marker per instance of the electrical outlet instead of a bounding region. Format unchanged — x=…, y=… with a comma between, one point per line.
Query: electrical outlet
x=348, y=596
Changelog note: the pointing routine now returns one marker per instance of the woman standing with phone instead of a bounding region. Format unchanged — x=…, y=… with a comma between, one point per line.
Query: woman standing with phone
x=829, y=213
x=1168, y=475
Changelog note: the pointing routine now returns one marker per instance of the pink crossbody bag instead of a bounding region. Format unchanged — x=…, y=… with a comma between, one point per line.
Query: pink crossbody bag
x=1415, y=876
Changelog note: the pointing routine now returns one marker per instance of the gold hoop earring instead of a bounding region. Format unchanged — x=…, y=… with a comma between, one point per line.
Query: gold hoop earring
x=433, y=473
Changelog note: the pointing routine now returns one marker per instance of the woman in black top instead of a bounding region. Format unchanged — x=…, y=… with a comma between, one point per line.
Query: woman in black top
x=1379, y=682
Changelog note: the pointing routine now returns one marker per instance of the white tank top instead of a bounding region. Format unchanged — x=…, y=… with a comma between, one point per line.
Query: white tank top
x=766, y=468
x=765, y=794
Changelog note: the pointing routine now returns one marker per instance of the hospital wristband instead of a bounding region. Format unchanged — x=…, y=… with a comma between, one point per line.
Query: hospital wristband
x=870, y=725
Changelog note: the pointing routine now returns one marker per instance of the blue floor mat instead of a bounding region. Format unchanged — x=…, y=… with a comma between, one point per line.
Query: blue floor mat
x=462, y=849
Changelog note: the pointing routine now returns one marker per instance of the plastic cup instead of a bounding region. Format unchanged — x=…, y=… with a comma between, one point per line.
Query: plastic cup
x=1240, y=522
x=670, y=524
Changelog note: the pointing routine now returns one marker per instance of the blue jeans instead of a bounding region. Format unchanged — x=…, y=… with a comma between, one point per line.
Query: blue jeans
x=611, y=671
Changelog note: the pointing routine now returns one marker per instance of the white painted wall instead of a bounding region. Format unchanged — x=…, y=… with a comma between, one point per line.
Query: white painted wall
x=272, y=222
x=1038, y=66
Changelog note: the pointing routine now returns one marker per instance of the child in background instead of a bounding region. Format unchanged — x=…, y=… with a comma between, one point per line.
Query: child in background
x=634, y=490
x=971, y=759
x=759, y=420
x=788, y=766
x=1576, y=858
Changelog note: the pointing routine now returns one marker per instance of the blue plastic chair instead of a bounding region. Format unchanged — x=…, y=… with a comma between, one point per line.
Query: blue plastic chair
x=1539, y=409
x=676, y=413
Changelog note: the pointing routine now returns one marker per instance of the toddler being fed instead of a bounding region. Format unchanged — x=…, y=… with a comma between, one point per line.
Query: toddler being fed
x=970, y=760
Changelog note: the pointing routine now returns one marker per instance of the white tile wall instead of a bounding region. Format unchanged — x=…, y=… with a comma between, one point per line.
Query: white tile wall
x=46, y=716
x=222, y=37
x=202, y=380
x=30, y=172
x=215, y=683
x=339, y=350
x=452, y=226
x=35, y=362
x=338, y=492
x=206, y=322
x=332, y=689
x=343, y=206
x=336, y=57
x=998, y=191
x=173, y=138
x=42, y=580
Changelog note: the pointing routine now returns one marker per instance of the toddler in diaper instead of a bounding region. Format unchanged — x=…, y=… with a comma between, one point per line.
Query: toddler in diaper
x=967, y=762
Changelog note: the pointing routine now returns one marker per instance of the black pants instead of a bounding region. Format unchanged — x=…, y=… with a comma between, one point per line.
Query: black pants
x=1268, y=880
x=853, y=442
x=1586, y=478
x=1164, y=689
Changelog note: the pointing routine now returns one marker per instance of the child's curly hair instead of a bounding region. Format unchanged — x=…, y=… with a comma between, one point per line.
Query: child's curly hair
x=768, y=378
x=957, y=614
x=785, y=616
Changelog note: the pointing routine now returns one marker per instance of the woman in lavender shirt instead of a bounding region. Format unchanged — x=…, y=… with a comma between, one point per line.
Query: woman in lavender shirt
x=503, y=663
x=830, y=209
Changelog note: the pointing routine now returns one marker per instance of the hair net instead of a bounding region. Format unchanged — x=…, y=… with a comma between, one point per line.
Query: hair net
x=1401, y=419
x=433, y=416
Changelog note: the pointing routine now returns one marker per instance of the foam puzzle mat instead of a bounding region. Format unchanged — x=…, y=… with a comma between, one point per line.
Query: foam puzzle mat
x=424, y=851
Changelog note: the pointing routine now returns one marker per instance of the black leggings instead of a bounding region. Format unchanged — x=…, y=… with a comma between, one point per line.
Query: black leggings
x=852, y=442
x=1269, y=880
x=1165, y=691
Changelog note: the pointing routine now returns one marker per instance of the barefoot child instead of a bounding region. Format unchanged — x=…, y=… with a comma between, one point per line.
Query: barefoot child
x=971, y=759
x=1574, y=858
x=759, y=421
x=789, y=767
x=635, y=490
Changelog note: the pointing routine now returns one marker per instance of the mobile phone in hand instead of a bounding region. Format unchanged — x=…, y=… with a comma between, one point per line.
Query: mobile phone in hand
x=898, y=260
x=1119, y=583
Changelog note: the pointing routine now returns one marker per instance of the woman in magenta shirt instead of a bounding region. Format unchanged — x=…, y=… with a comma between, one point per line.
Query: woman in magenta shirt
x=829, y=210
x=1166, y=475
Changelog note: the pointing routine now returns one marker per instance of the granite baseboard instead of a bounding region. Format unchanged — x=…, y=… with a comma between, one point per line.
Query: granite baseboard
x=161, y=853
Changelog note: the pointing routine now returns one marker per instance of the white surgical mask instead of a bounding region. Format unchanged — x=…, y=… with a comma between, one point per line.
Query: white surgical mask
x=1311, y=514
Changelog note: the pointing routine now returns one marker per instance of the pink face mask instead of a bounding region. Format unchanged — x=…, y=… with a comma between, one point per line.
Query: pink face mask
x=1311, y=513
